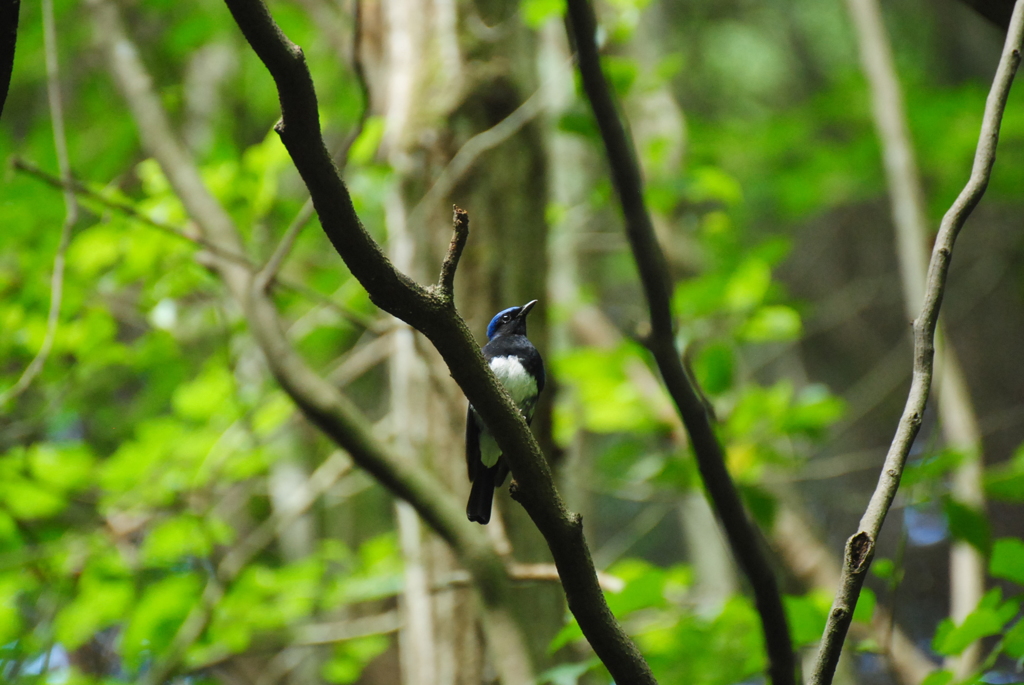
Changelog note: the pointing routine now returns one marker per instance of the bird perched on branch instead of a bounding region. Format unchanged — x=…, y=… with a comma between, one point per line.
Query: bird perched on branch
x=517, y=364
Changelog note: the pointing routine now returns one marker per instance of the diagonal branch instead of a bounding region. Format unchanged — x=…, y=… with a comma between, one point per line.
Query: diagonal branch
x=321, y=402
x=438, y=320
x=744, y=539
x=956, y=413
x=82, y=190
x=861, y=546
x=471, y=151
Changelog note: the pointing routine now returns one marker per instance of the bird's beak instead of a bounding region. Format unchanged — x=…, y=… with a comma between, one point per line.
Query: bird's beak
x=526, y=308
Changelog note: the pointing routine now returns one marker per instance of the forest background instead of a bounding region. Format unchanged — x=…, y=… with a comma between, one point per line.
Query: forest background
x=167, y=514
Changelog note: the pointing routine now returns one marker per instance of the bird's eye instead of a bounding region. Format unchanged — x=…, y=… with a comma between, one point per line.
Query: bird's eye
x=506, y=318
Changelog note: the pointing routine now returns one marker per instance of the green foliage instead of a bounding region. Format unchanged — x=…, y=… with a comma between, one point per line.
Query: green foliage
x=610, y=402
x=968, y=524
x=1008, y=560
x=989, y=618
x=145, y=451
x=1005, y=482
x=351, y=657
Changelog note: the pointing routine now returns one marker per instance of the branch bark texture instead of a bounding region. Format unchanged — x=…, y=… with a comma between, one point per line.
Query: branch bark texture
x=956, y=413
x=743, y=537
x=432, y=313
x=860, y=548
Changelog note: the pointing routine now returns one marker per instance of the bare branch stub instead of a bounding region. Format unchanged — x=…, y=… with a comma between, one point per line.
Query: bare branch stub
x=861, y=545
x=460, y=234
x=744, y=539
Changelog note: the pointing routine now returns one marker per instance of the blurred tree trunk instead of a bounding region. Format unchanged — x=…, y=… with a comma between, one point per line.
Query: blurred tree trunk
x=423, y=85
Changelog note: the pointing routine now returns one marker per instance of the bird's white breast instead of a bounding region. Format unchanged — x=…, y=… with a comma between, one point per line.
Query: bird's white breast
x=520, y=384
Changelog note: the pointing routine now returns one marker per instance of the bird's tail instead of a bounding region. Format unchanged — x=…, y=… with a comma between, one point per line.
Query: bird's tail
x=481, y=495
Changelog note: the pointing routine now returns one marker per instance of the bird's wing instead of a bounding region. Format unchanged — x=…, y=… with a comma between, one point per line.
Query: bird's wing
x=472, y=445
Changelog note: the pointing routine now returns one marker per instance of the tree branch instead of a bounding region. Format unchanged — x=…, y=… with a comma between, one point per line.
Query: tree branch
x=440, y=323
x=60, y=145
x=191, y=236
x=744, y=539
x=460, y=234
x=269, y=271
x=860, y=547
x=956, y=414
x=471, y=151
x=322, y=403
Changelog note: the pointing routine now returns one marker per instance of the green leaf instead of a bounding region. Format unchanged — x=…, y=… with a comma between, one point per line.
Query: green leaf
x=567, y=674
x=968, y=524
x=761, y=503
x=64, y=467
x=644, y=589
x=351, y=657
x=813, y=411
x=772, y=323
x=27, y=500
x=748, y=285
x=806, y=620
x=535, y=13
x=570, y=632
x=1013, y=641
x=158, y=614
x=610, y=401
x=865, y=608
x=714, y=367
x=206, y=395
x=1008, y=560
x=938, y=678
x=621, y=73
x=175, y=538
x=713, y=184
x=365, y=146
x=988, y=619
x=11, y=588
x=883, y=568
x=99, y=602
x=1005, y=482
x=276, y=409
x=931, y=468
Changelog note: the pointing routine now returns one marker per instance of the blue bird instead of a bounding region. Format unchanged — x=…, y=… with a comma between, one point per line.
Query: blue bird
x=517, y=364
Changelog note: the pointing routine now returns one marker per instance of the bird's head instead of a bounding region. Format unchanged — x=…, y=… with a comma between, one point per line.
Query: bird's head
x=510, y=321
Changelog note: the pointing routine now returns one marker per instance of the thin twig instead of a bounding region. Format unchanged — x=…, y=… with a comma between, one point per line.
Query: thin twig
x=744, y=539
x=471, y=150
x=129, y=210
x=861, y=546
x=60, y=144
x=956, y=414
x=525, y=573
x=268, y=273
x=460, y=234
x=333, y=469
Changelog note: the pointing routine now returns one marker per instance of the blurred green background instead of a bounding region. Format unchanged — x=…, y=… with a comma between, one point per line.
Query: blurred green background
x=153, y=441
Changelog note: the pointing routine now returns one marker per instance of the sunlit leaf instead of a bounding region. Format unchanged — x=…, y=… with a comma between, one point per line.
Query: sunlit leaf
x=1007, y=560
x=772, y=323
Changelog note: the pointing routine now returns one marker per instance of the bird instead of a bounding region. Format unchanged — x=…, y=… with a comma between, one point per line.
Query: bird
x=519, y=367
